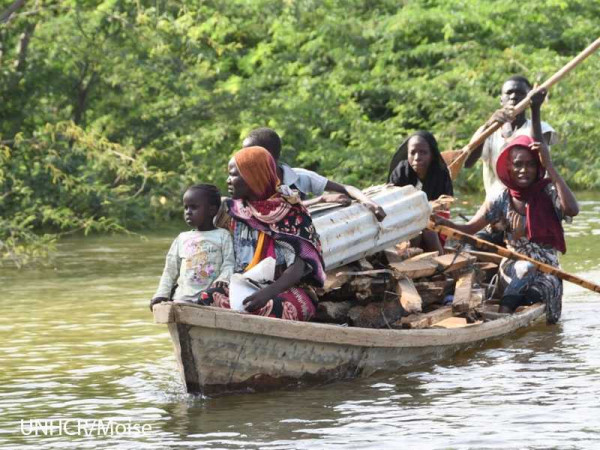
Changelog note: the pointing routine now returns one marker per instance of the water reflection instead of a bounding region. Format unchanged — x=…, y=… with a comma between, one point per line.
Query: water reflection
x=78, y=342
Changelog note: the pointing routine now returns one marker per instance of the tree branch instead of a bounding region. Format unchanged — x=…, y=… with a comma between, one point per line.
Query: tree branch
x=82, y=93
x=5, y=17
x=23, y=47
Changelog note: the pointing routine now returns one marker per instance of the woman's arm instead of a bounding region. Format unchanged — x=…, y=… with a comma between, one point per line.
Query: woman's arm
x=342, y=199
x=568, y=202
x=357, y=194
x=288, y=279
x=477, y=222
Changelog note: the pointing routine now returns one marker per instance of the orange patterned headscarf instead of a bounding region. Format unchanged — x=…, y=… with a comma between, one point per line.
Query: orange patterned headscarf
x=257, y=168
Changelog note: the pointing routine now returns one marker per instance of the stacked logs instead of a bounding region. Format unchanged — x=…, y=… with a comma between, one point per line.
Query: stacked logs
x=402, y=287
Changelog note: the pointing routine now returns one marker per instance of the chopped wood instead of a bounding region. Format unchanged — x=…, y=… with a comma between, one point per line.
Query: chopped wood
x=415, y=269
x=424, y=320
x=364, y=264
x=428, y=264
x=333, y=312
x=355, y=313
x=361, y=287
x=486, y=257
x=335, y=281
x=406, y=251
x=485, y=271
x=478, y=296
x=376, y=315
x=392, y=255
x=426, y=255
x=486, y=266
x=409, y=297
x=463, y=298
x=451, y=262
x=445, y=285
x=439, y=277
x=434, y=291
x=364, y=272
x=452, y=322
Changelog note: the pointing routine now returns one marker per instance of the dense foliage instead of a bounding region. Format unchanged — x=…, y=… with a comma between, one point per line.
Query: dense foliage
x=111, y=107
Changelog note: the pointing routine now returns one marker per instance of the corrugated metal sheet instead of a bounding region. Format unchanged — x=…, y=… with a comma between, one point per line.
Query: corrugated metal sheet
x=350, y=233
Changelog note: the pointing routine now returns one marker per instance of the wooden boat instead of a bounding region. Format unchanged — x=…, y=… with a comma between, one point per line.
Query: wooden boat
x=221, y=351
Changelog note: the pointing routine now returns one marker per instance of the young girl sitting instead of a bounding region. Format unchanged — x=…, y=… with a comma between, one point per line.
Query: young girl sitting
x=200, y=258
x=529, y=210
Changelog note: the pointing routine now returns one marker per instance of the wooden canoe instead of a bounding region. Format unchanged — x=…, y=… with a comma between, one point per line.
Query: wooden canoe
x=221, y=351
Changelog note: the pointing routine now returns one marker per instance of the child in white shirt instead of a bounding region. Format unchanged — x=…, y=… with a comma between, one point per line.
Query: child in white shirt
x=200, y=258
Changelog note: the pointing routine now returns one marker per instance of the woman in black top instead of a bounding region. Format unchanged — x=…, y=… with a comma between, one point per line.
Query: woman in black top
x=418, y=162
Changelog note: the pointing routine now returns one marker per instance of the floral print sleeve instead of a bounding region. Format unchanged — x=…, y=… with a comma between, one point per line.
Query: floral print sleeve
x=170, y=272
x=496, y=208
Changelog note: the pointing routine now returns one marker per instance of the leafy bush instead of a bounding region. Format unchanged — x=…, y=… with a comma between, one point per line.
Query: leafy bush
x=112, y=107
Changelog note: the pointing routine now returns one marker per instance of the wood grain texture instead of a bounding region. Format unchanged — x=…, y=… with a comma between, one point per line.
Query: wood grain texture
x=221, y=351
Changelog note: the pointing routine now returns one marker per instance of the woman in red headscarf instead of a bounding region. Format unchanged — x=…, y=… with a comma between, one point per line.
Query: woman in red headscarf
x=270, y=221
x=530, y=211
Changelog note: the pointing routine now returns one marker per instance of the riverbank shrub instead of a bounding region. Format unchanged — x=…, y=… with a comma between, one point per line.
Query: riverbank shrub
x=110, y=108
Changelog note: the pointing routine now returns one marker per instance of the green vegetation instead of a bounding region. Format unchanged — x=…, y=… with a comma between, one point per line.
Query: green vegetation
x=111, y=107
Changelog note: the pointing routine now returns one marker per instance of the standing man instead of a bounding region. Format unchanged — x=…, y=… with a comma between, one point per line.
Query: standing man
x=514, y=90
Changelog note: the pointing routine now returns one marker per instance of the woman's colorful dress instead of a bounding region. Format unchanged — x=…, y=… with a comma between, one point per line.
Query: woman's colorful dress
x=537, y=286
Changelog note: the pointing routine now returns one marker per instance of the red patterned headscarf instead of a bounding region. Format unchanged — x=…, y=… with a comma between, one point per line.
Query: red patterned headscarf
x=543, y=225
x=257, y=168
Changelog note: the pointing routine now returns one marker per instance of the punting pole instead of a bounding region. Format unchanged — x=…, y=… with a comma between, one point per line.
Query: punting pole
x=489, y=247
x=459, y=161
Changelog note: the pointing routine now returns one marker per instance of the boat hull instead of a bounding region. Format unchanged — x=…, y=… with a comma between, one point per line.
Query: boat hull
x=220, y=351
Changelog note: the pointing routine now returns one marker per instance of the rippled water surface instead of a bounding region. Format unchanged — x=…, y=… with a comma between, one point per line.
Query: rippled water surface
x=78, y=342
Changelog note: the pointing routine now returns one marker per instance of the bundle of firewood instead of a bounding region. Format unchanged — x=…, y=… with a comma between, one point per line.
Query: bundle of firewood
x=402, y=287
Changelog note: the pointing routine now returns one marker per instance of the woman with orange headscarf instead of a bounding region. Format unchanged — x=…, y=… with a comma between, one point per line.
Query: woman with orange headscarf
x=270, y=221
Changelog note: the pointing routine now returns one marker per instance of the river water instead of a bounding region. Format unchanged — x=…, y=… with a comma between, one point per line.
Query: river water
x=81, y=361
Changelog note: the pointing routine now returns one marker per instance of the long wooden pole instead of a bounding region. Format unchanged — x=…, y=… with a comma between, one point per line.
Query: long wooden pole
x=488, y=246
x=458, y=163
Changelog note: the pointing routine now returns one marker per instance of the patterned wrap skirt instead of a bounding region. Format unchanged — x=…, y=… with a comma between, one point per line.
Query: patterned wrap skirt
x=536, y=285
x=293, y=304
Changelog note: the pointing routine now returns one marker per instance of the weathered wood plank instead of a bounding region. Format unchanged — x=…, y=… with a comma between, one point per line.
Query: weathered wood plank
x=451, y=262
x=226, y=320
x=392, y=255
x=452, y=322
x=486, y=257
x=425, y=320
x=335, y=280
x=426, y=255
x=409, y=297
x=434, y=291
x=333, y=312
x=415, y=269
x=406, y=251
x=486, y=266
x=463, y=300
x=378, y=315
